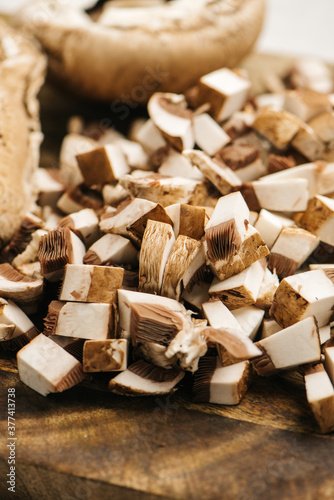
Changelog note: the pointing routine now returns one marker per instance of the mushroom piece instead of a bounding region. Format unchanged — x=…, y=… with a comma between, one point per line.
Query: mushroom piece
x=155, y=354
x=209, y=136
x=225, y=91
x=288, y=348
x=133, y=152
x=84, y=223
x=79, y=197
x=87, y=283
x=323, y=126
x=324, y=334
x=329, y=362
x=72, y=145
x=195, y=297
x=320, y=396
x=114, y=193
x=227, y=332
x=188, y=220
x=225, y=385
x=318, y=218
x=144, y=379
x=6, y=332
x=25, y=291
x=165, y=190
x=131, y=217
x=102, y=165
x=267, y=290
x=278, y=194
x=269, y=327
x=309, y=144
x=221, y=176
x=292, y=247
x=175, y=164
x=150, y=138
x=45, y=367
x=24, y=329
x=241, y=289
x=58, y=248
x=239, y=124
x=279, y=127
x=111, y=248
x=29, y=254
x=270, y=225
x=312, y=73
x=306, y=103
x=105, y=355
x=276, y=163
x=22, y=237
x=157, y=244
x=81, y=320
x=170, y=115
x=186, y=257
x=302, y=295
x=49, y=186
x=320, y=177
x=226, y=229
x=250, y=319
x=244, y=160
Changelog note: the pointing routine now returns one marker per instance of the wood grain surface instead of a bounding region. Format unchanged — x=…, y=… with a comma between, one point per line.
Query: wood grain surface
x=88, y=444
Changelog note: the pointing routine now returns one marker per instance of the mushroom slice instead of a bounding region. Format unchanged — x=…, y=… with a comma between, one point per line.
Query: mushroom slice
x=150, y=138
x=188, y=220
x=306, y=103
x=292, y=247
x=81, y=320
x=221, y=176
x=185, y=259
x=268, y=289
x=309, y=144
x=157, y=244
x=269, y=327
x=241, y=289
x=289, y=195
x=155, y=354
x=329, y=362
x=320, y=177
x=320, y=396
x=24, y=329
x=165, y=190
x=87, y=283
x=279, y=127
x=291, y=347
x=45, y=367
x=144, y=379
x=250, y=319
x=225, y=385
x=84, y=223
x=270, y=225
x=105, y=355
x=49, y=186
x=319, y=218
x=29, y=254
x=227, y=332
x=225, y=91
x=25, y=291
x=312, y=73
x=102, y=165
x=72, y=145
x=132, y=213
x=170, y=115
x=58, y=248
x=175, y=164
x=226, y=229
x=22, y=237
x=79, y=197
x=111, y=248
x=209, y=136
x=303, y=295
x=244, y=160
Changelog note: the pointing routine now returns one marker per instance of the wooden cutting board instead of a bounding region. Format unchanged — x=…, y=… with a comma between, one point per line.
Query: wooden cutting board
x=88, y=444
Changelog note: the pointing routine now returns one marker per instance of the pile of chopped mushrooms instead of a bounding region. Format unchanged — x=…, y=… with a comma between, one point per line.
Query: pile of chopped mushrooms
x=202, y=242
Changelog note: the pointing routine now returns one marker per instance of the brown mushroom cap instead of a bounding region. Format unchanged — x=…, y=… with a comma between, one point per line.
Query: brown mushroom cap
x=132, y=61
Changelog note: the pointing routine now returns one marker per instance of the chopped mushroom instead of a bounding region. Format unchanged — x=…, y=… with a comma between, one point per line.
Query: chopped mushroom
x=46, y=367
x=84, y=223
x=188, y=220
x=102, y=165
x=105, y=355
x=24, y=329
x=320, y=396
x=111, y=248
x=209, y=136
x=318, y=218
x=25, y=291
x=279, y=127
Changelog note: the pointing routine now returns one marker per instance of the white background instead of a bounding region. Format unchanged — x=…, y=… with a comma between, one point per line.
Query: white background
x=295, y=27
